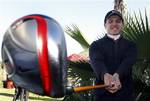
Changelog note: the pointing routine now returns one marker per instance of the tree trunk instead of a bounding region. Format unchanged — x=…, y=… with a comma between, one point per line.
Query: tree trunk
x=119, y=6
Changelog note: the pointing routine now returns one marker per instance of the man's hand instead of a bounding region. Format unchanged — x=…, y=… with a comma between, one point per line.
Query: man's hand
x=116, y=80
x=116, y=84
x=108, y=79
x=113, y=82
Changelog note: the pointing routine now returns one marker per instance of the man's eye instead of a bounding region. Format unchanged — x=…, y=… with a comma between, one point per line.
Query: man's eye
x=110, y=21
x=118, y=21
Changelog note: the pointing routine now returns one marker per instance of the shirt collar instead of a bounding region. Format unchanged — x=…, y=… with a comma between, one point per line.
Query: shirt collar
x=114, y=37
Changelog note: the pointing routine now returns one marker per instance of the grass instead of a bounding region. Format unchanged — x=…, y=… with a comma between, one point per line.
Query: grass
x=7, y=94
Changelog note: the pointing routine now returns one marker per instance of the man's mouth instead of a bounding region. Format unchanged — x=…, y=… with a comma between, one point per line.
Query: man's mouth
x=115, y=28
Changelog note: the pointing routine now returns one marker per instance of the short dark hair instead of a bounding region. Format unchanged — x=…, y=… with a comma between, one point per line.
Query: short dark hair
x=113, y=12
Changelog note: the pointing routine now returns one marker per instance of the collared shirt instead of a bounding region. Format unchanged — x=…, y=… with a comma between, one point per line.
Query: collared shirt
x=114, y=37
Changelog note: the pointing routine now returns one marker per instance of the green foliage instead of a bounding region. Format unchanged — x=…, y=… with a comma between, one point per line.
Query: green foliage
x=137, y=29
x=76, y=34
x=80, y=74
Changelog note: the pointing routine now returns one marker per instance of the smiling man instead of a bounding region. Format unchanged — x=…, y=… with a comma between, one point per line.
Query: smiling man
x=112, y=58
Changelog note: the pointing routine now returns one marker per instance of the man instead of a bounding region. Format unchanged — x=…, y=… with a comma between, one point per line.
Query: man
x=112, y=58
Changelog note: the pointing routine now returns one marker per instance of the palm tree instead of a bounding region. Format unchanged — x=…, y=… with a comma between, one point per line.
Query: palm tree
x=79, y=72
x=119, y=6
x=137, y=29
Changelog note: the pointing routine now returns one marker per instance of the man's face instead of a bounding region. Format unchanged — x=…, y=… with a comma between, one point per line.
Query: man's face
x=114, y=25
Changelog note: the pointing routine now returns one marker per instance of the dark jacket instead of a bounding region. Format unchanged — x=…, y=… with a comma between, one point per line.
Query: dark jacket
x=109, y=56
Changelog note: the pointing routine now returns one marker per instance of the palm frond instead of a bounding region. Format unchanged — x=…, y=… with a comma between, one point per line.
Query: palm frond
x=83, y=65
x=80, y=74
x=137, y=30
x=77, y=35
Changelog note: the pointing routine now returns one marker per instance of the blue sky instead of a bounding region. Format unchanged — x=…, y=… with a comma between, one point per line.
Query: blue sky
x=87, y=14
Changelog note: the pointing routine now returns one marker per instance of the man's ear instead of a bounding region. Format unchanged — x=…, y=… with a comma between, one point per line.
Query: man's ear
x=122, y=26
x=104, y=24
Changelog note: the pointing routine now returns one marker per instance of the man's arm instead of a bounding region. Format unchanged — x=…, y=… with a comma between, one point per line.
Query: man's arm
x=128, y=61
x=97, y=61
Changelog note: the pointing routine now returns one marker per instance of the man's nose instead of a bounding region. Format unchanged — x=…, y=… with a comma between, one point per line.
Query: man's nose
x=114, y=23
